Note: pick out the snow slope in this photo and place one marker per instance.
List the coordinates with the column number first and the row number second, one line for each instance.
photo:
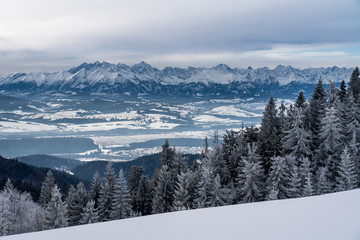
column 333, row 216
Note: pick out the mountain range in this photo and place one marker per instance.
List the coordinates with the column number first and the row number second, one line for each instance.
column 143, row 79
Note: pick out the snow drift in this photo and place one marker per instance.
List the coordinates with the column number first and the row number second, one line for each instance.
column 332, row 216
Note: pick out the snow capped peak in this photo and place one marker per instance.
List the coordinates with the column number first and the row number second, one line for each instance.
column 222, row 67
column 88, row 75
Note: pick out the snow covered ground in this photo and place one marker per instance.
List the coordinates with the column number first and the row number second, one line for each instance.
column 332, row 216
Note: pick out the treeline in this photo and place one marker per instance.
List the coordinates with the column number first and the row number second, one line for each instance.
column 307, row 149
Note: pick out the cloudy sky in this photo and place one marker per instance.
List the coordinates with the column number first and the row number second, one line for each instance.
column 43, row 35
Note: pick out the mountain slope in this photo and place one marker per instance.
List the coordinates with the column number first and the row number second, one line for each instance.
column 331, row 217
column 144, row 79
column 29, row 178
column 57, row 163
column 148, row 162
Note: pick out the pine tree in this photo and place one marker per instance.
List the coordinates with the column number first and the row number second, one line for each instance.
column 218, row 195
column 106, row 193
column 354, row 84
column 342, row 93
column 269, row 144
column 167, row 155
column 307, row 181
column 181, row 194
column 46, row 189
column 317, row 112
column 136, row 175
column 89, row 213
column 218, row 164
column 278, row 178
column 163, row 192
column 18, row 212
column 251, row 177
column 300, row 101
column 55, row 214
column 331, row 137
column 120, row 207
column 295, row 178
column 347, row 175
column 144, row 197
column 76, row 204
column 323, row 186
column 204, row 187
column 95, row 189
column 297, row 139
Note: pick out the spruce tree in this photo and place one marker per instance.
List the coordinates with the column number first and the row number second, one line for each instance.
column 295, row 182
column 95, row 189
column 144, row 197
column 317, row 112
column 218, row 196
column 297, row 139
column 354, row 84
column 46, row 189
column 56, row 211
column 306, row 176
column 136, row 174
column 342, row 93
column 251, row 177
column 347, row 176
column 76, row 204
column 278, row 178
column 269, row 138
column 120, row 207
column 300, row 101
column 181, row 194
column 106, row 193
column 204, row 186
column 89, row 213
column 163, row 192
column 322, row 183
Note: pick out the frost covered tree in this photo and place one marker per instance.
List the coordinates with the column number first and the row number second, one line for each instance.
column 322, row 182
column 216, row 159
column 331, row 140
column 354, row 84
column 297, row 139
column 46, row 189
column 252, row 177
column 89, row 213
column 136, row 174
column 144, row 197
column 163, row 192
column 120, row 207
column 95, row 189
column 56, row 211
column 181, row 194
column 204, row 186
column 294, row 182
column 106, row 193
column 278, row 178
column 269, row 143
column 306, row 176
column 76, row 204
column 18, row 212
column 347, row 175
column 218, row 195
column 317, row 112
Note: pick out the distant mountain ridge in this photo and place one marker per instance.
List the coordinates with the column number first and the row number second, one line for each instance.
column 144, row 79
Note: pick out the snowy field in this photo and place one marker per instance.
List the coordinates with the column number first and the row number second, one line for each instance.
column 331, row 217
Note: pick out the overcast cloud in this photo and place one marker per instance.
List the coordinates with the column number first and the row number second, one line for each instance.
column 43, row 35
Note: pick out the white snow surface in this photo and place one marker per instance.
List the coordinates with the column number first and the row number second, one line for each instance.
column 331, row 217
